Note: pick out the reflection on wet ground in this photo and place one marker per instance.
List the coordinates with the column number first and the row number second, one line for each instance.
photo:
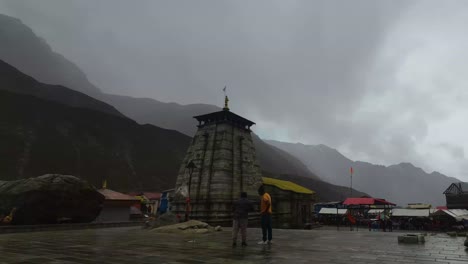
column 134, row 245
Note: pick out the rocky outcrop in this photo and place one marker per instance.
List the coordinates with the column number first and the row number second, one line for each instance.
column 50, row 199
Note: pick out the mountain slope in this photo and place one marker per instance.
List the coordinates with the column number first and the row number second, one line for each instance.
column 15, row 81
column 24, row 50
column 402, row 183
column 276, row 161
column 165, row 115
column 39, row 137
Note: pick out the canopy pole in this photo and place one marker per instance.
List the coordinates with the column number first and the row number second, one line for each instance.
column 336, row 219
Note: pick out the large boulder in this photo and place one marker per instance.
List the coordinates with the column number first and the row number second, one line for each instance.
column 50, row 199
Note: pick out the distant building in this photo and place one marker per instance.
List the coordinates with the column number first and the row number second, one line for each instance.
column 116, row 207
column 154, row 200
column 292, row 204
column 151, row 200
column 419, row 206
column 456, row 195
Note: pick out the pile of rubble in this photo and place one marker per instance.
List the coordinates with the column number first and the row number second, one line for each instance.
column 162, row 220
column 190, row 227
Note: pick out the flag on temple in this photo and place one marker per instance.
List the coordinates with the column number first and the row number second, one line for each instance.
column 351, row 170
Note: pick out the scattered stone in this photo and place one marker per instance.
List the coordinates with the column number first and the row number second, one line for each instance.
column 411, row 239
column 218, row 228
column 198, row 231
column 421, row 238
column 49, row 199
column 165, row 219
column 192, row 226
column 452, row 234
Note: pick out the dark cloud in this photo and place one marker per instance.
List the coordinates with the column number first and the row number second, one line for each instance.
column 361, row 76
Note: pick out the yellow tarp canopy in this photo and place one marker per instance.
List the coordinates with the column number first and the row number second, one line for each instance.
column 286, row 185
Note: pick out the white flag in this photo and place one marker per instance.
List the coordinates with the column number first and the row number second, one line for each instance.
column 183, row 190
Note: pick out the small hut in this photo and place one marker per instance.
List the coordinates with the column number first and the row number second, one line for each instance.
column 116, row 207
column 154, row 199
column 292, row 204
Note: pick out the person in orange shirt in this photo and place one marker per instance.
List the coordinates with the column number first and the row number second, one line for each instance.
column 265, row 213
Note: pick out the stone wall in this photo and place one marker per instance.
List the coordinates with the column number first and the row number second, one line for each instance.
column 226, row 165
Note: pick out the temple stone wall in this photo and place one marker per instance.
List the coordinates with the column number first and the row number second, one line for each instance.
column 224, row 155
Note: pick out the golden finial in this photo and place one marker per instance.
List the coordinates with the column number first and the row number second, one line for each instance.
column 226, row 100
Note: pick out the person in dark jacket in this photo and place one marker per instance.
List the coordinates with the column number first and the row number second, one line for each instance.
column 240, row 210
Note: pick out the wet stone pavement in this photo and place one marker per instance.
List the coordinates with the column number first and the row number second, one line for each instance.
column 134, row 245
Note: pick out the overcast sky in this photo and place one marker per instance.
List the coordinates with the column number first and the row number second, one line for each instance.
column 381, row 81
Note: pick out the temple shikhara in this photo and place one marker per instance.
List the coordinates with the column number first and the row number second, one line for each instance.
column 219, row 164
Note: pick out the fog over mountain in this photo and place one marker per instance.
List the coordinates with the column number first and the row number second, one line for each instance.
column 381, row 81
column 399, row 183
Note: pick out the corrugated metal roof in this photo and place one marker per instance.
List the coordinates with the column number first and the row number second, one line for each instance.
column 113, row 195
column 286, row 185
column 332, row 211
column 411, row 212
column 458, row 214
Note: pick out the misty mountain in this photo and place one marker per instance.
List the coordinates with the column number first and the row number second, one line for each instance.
column 36, row 58
column 40, row 137
column 278, row 162
column 24, row 50
column 165, row 115
column 401, row 183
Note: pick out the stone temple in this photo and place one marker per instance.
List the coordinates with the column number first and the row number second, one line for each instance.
column 219, row 164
